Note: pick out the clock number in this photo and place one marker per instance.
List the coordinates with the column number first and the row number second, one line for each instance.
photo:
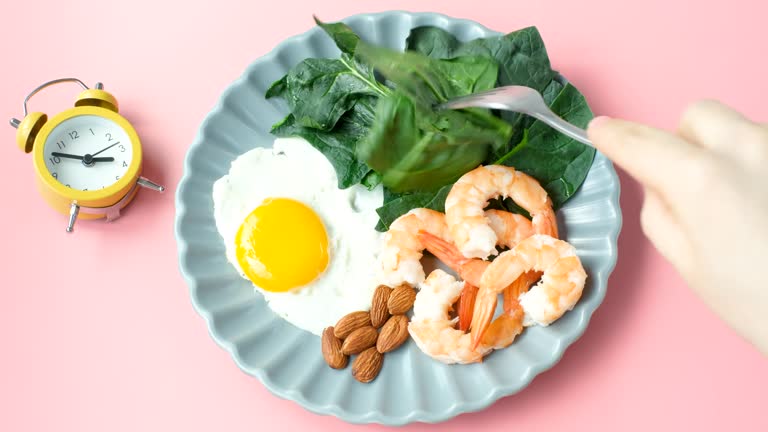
column 85, row 189
column 117, row 177
column 121, row 147
column 54, row 160
column 73, row 135
column 125, row 165
column 67, row 185
column 55, row 175
column 61, row 145
column 92, row 133
column 109, row 136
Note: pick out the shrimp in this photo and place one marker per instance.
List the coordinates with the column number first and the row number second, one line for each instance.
column 561, row 286
column 467, row 222
column 510, row 229
column 400, row 257
column 503, row 330
column 469, row 269
column 433, row 330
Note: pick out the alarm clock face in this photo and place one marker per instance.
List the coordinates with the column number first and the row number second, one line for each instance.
column 88, row 152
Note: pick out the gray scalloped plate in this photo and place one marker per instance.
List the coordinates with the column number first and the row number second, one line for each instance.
column 286, row 359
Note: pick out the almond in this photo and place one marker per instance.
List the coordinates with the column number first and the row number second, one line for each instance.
column 331, row 347
column 359, row 340
column 393, row 334
column 367, row 365
column 351, row 322
column 401, row 300
column 379, row 308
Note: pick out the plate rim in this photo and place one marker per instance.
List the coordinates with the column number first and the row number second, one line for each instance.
column 416, row 415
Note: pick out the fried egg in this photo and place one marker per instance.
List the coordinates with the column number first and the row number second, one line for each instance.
column 309, row 247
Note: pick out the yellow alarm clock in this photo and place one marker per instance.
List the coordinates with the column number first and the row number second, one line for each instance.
column 87, row 159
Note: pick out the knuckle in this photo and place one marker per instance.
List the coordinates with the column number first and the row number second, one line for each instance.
column 694, row 110
column 754, row 143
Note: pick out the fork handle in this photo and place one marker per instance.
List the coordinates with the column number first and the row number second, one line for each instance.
column 563, row 126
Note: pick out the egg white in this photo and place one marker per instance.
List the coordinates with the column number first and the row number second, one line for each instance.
column 292, row 168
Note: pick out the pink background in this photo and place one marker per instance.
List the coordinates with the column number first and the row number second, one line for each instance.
column 97, row 330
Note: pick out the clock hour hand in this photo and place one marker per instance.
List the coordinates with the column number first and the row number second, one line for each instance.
column 66, row 155
column 91, row 158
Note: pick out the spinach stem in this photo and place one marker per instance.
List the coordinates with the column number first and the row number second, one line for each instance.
column 357, row 73
column 517, row 148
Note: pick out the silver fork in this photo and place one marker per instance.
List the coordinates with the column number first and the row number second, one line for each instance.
column 519, row 99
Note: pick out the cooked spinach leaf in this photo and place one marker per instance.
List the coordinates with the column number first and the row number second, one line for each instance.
column 339, row 144
column 396, row 205
column 370, row 112
column 371, row 180
column 432, row 41
column 521, row 55
column 278, row 88
column 556, row 161
column 559, row 163
column 522, row 123
column 417, row 149
column 411, row 144
column 331, row 103
column 320, row 91
column 429, row 80
column 343, row 36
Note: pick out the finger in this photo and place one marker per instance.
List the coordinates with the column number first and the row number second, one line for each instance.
column 716, row 126
column 650, row 155
column 661, row 226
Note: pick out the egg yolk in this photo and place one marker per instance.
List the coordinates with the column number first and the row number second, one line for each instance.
column 282, row 245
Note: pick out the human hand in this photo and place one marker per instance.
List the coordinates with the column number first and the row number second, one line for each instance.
column 706, row 204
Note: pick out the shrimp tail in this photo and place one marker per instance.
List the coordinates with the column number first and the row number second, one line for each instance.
column 504, row 329
column 442, row 250
column 521, row 285
column 485, row 307
column 510, row 297
column 469, row 269
column 467, row 306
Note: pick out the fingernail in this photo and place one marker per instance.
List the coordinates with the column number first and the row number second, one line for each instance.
column 597, row 121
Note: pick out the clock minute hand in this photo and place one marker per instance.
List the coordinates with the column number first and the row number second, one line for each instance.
column 106, row 148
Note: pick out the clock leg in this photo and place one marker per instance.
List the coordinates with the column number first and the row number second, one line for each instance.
column 150, row 184
column 74, row 210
